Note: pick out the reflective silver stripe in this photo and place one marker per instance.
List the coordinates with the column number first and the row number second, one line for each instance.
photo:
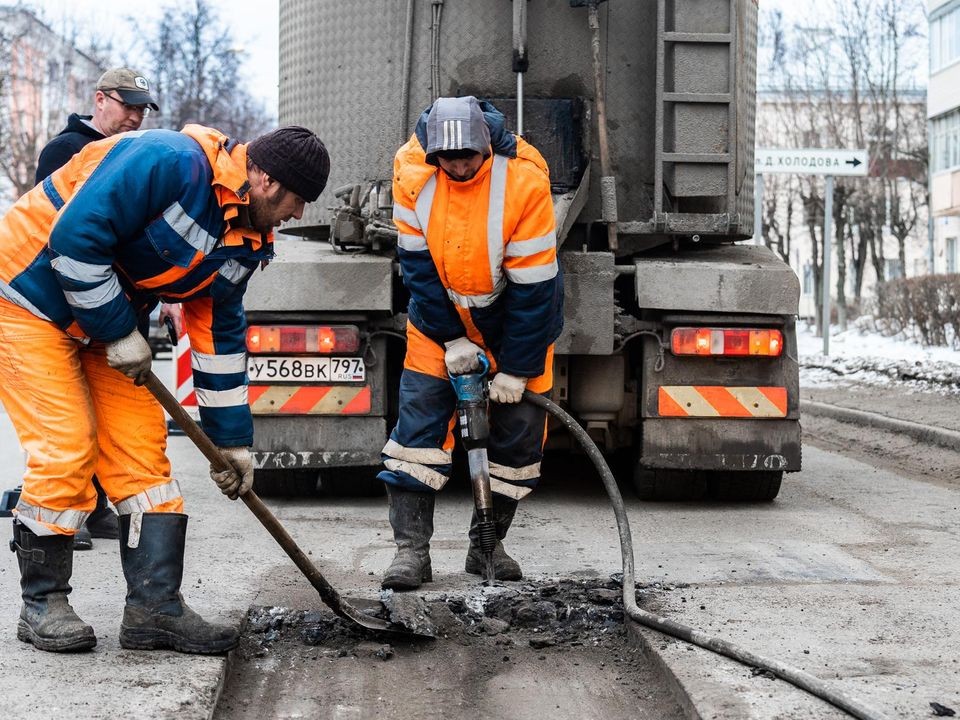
column 402, row 212
column 147, row 500
column 425, row 203
column 189, row 229
column 11, row 295
column 219, row 364
column 425, row 456
column 96, row 297
column 412, row 243
column 516, row 492
column 81, row 271
column 234, row 271
column 422, row 473
column 33, row 516
column 505, row 472
column 527, row 276
column 477, row 301
column 525, row 248
column 221, row 398
column 498, row 200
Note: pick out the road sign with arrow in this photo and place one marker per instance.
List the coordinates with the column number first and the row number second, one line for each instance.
column 812, row 161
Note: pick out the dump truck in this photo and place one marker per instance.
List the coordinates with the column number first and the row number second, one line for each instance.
column 679, row 348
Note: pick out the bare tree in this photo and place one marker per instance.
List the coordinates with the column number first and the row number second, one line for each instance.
column 847, row 84
column 44, row 76
column 196, row 71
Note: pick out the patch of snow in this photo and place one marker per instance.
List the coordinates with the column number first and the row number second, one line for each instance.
column 859, row 343
column 862, row 356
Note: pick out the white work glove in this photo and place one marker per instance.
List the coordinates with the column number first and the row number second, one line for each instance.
column 461, row 356
column 507, row 388
column 131, row 355
column 175, row 314
column 234, row 483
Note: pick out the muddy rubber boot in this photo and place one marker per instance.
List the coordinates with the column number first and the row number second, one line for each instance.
column 46, row 618
column 155, row 616
column 102, row 522
column 411, row 517
column 504, row 566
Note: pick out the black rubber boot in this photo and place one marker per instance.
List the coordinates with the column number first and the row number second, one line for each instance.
column 102, row 522
column 155, row 616
column 46, row 618
column 411, row 516
column 82, row 539
column 504, row 566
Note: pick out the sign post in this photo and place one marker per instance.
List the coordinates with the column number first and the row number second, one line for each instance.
column 811, row 161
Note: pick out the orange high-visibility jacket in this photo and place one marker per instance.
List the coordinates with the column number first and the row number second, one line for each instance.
column 481, row 253
column 138, row 217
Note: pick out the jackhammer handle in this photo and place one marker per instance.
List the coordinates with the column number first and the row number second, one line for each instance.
column 327, row 592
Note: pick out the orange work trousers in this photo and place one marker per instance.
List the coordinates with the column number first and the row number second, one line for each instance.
column 76, row 416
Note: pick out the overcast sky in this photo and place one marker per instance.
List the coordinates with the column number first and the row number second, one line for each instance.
column 253, row 23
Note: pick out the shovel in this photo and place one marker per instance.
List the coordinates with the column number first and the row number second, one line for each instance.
column 327, row 592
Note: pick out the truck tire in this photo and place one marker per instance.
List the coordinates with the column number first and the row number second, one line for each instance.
column 660, row 485
column 285, row 483
column 760, row 486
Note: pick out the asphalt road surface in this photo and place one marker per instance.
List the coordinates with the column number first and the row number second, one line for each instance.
column 851, row 574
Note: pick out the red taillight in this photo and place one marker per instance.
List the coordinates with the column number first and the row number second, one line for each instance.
column 324, row 339
column 726, row 341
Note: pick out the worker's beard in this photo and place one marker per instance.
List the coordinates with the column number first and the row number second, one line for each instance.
column 260, row 215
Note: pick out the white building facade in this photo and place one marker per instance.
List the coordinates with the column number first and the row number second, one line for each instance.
column 943, row 113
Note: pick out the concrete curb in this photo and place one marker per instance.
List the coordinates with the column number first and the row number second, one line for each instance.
column 645, row 639
column 924, row 433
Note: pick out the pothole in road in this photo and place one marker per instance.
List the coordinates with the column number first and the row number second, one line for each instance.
column 523, row 651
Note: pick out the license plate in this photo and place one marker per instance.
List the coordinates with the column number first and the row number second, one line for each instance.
column 305, row 369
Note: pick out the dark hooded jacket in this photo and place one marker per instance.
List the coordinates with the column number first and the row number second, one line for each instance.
column 65, row 145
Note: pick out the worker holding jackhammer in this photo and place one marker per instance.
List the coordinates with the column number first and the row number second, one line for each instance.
column 136, row 218
column 121, row 101
column 477, row 248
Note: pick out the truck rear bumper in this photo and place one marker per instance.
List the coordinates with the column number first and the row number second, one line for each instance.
column 693, row 443
column 302, row 442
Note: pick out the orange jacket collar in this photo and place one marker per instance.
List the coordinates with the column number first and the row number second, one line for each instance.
column 230, row 182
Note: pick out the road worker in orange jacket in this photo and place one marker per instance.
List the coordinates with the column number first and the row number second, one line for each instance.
column 128, row 221
column 477, row 248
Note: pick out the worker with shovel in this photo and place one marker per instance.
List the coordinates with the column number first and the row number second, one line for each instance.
column 477, row 247
column 135, row 218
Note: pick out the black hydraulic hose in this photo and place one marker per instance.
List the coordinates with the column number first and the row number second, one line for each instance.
column 795, row 676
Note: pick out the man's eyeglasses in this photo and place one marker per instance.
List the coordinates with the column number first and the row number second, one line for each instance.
column 141, row 110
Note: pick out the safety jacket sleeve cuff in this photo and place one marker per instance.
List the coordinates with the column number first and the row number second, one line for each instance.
column 529, row 370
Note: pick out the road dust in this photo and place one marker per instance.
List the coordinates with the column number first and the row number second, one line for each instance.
column 519, row 650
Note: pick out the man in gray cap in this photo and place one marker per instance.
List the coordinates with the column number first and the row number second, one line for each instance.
column 120, row 103
column 477, row 251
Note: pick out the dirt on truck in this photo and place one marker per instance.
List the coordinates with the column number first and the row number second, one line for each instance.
column 679, row 345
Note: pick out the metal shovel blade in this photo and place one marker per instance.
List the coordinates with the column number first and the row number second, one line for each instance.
column 328, row 594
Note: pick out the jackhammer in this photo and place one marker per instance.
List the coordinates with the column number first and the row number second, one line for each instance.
column 471, row 390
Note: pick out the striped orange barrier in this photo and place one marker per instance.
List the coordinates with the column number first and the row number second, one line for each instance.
column 309, row 399
column 722, row 401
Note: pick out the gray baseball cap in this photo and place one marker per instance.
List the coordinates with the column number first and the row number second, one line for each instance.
column 457, row 124
column 130, row 85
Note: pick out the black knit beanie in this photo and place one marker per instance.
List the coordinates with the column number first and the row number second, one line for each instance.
column 295, row 157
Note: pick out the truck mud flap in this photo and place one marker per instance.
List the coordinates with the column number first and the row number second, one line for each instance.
column 692, row 443
column 295, row 443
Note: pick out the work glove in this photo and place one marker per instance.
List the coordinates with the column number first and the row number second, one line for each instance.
column 235, row 482
column 507, row 388
column 131, row 355
column 461, row 356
